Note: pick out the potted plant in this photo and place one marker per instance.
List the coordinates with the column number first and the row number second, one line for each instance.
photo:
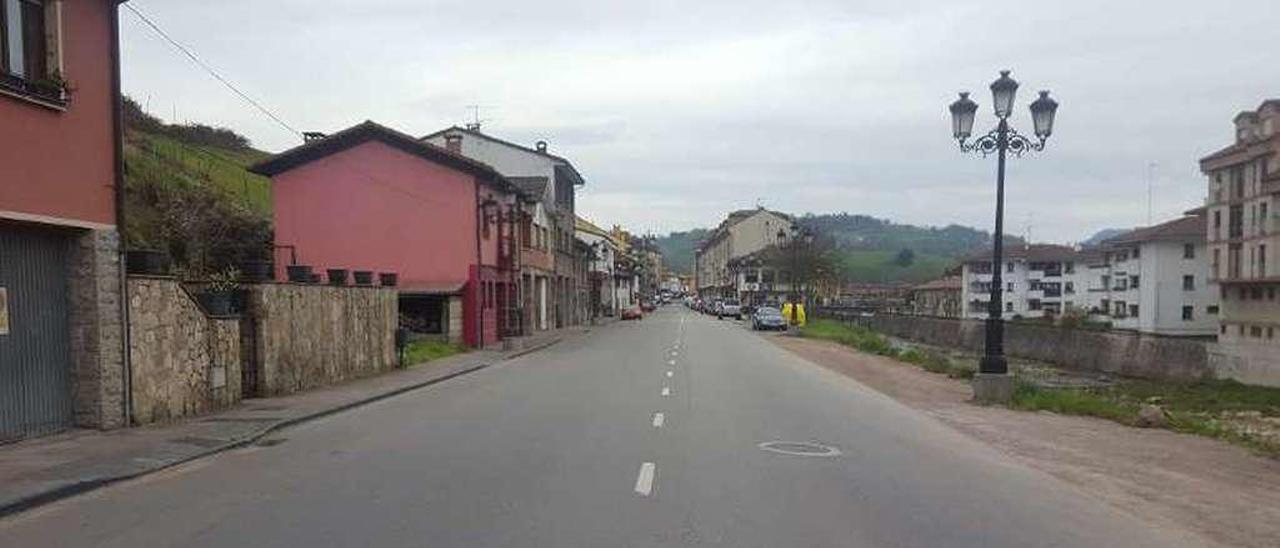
column 220, row 291
column 337, row 276
column 257, row 271
column 363, row 277
column 299, row 273
column 153, row 262
column 388, row 279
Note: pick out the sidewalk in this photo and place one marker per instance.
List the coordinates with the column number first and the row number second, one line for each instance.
column 43, row 470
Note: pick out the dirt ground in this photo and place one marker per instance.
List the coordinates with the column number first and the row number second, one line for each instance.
column 1218, row 491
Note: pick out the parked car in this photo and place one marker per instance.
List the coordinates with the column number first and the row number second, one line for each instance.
column 632, row 313
column 712, row 307
column 768, row 318
column 647, row 306
column 729, row 307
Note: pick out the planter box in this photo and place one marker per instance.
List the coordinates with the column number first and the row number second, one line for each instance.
column 147, row 261
column 257, row 271
column 337, row 276
column 363, row 277
column 299, row 273
column 389, row 279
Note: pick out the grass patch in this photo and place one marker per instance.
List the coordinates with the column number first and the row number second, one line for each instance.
column 871, row 342
column 1221, row 409
column 418, row 352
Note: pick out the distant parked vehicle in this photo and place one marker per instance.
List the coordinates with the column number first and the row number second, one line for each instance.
column 712, row 307
column 768, row 318
column 647, row 306
column 729, row 307
column 632, row 313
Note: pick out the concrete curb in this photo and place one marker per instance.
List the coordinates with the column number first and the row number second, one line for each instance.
column 66, row 491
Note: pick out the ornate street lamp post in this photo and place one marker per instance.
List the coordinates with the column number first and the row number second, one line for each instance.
column 993, row 383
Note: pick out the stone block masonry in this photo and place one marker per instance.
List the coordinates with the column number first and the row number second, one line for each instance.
column 308, row 336
column 1119, row 352
column 96, row 330
column 183, row 363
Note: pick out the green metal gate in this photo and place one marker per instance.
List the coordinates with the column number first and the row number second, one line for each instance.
column 35, row 362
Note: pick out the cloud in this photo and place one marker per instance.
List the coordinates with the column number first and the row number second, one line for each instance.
column 678, row 112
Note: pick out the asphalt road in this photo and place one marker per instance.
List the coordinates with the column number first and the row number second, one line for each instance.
column 565, row 448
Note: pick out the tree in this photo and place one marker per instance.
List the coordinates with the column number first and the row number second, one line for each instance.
column 905, row 258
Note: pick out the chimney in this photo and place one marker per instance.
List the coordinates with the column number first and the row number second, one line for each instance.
column 541, row 146
column 453, row 143
column 308, row 136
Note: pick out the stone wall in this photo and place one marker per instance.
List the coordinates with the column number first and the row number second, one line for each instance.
column 1118, row 352
column 96, row 330
column 183, row 363
column 308, row 336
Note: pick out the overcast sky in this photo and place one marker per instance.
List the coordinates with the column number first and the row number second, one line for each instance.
column 679, row 111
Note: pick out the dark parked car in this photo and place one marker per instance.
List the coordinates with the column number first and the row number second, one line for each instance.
column 768, row 318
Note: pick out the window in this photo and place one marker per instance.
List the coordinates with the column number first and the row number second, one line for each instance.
column 1211, row 309
column 1188, row 251
column 1188, row 283
column 1255, row 331
column 1008, row 307
column 1187, row 313
column 1009, row 267
column 1137, row 252
column 1133, row 310
column 1033, row 304
column 1009, row 287
column 1262, row 213
column 1235, row 221
column 1217, row 258
column 1271, row 332
column 1133, row 281
column 1262, row 261
column 1217, row 219
column 26, row 49
column 1069, row 288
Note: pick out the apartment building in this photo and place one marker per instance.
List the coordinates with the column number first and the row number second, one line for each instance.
column 1157, row 280
column 1039, row 280
column 1244, row 185
column 742, row 233
column 561, row 181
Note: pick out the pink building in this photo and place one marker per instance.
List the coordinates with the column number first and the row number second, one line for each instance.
column 62, row 358
column 372, row 198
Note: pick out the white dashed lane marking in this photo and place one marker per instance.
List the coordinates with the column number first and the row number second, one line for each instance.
column 644, row 481
column 658, row 420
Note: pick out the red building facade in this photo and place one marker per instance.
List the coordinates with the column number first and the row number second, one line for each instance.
column 372, row 198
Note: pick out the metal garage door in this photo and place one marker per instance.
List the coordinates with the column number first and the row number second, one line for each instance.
column 35, row 364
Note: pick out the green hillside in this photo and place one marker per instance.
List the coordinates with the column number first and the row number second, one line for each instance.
column 868, row 247
column 188, row 192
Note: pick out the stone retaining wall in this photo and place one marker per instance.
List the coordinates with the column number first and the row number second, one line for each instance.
column 308, row 336
column 1118, row 352
column 182, row 362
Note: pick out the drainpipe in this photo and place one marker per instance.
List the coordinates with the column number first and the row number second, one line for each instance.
column 117, row 128
column 479, row 289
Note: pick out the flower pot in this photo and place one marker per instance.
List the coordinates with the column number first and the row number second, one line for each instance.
column 257, row 271
column 337, row 276
column 314, row 278
column 147, row 261
column 299, row 273
column 363, row 277
column 217, row 303
column 388, row 279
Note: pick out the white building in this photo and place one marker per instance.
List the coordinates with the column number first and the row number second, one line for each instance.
column 1157, row 280
column 743, row 233
column 1039, row 280
column 604, row 283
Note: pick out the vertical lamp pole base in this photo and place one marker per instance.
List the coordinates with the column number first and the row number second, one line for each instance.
column 991, row 388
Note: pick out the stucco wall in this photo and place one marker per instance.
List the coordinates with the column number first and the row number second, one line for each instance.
column 374, row 207
column 182, row 362
column 64, row 158
column 1121, row 353
column 312, row 336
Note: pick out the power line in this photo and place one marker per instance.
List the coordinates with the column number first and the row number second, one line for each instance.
column 205, row 66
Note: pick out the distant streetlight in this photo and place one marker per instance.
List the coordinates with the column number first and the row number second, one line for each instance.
column 993, row 383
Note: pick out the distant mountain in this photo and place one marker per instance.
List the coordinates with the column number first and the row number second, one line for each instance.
column 872, row 248
column 1104, row 234
column 677, row 249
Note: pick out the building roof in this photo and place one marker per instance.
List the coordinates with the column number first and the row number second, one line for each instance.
column 578, row 179
column 370, row 131
column 1033, row 252
column 940, row 284
column 1189, row 227
column 583, row 225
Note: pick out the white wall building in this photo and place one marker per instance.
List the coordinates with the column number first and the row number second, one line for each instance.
column 1038, row 280
column 744, row 232
column 1157, row 280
